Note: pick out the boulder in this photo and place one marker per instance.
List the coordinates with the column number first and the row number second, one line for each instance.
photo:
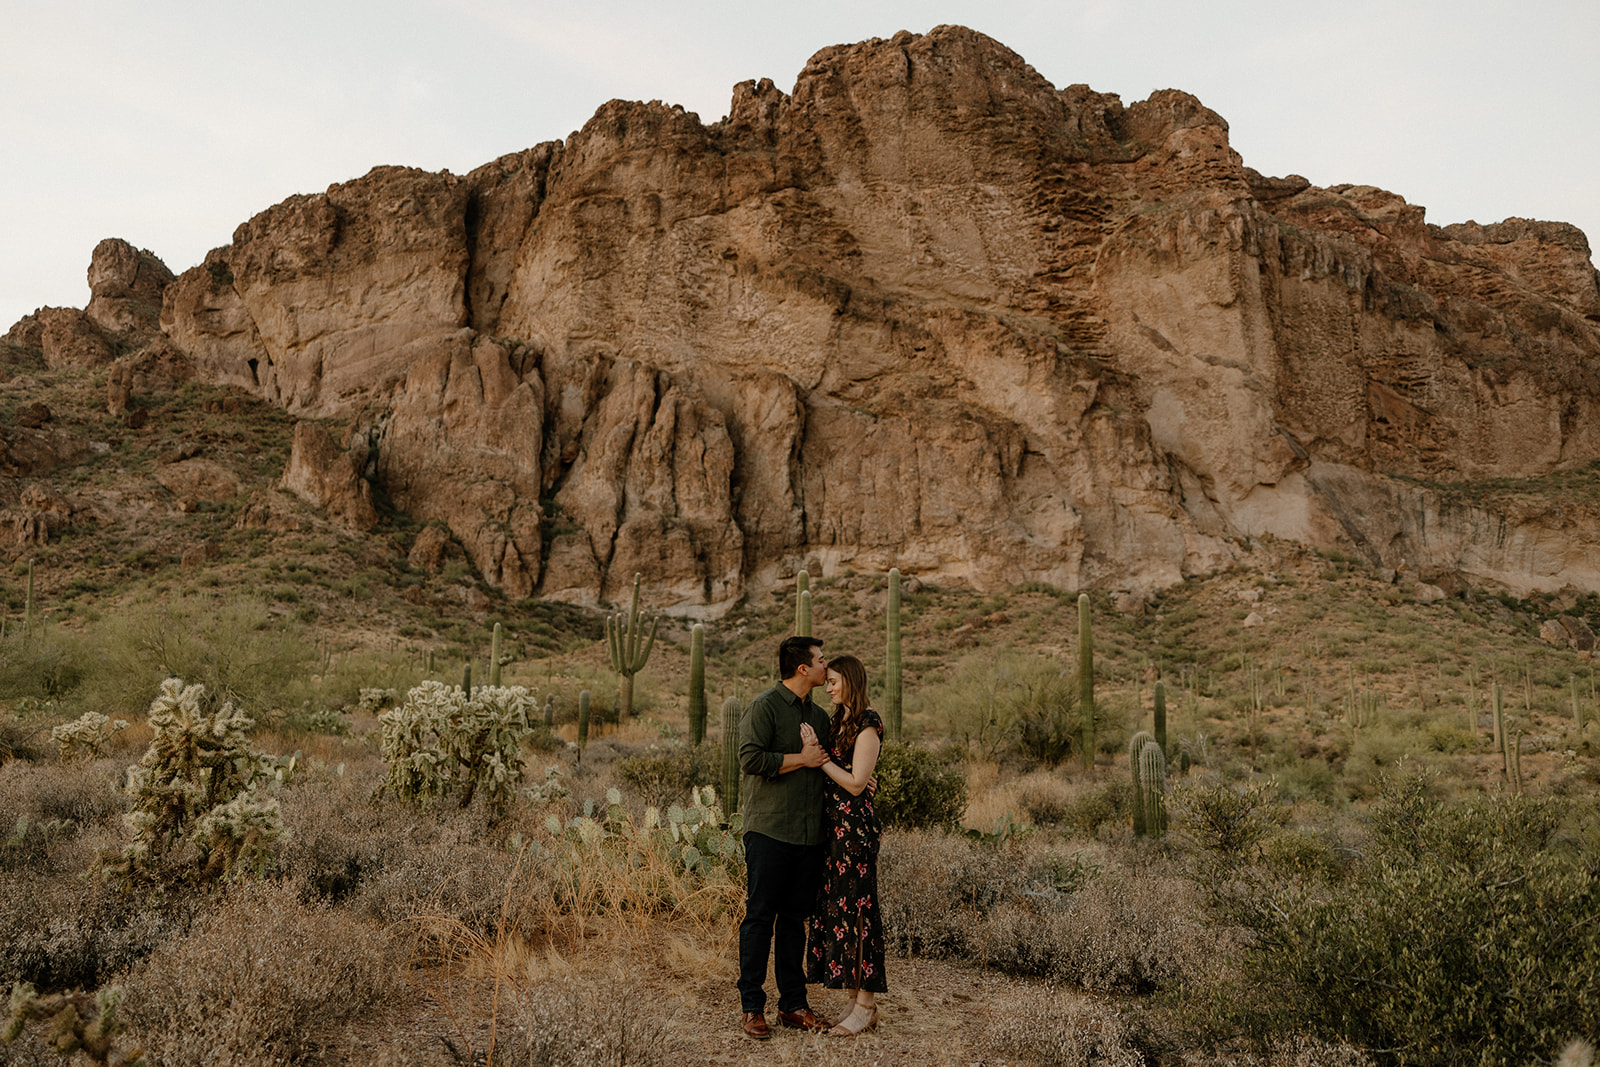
column 125, row 286
column 192, row 480
column 327, row 476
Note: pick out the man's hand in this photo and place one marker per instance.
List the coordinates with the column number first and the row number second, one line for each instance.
column 813, row 754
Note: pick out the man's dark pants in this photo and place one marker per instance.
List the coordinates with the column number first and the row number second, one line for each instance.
column 782, row 892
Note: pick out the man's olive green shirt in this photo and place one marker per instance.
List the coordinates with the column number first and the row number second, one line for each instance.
column 784, row 807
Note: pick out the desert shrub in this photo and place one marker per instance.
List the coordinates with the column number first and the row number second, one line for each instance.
column 237, row 650
column 1007, row 705
column 1116, row 931
column 1045, row 799
column 1108, row 803
column 1224, row 819
column 568, row 1022
column 199, row 787
column 1465, row 934
column 667, row 773
column 919, row 788
column 43, row 662
column 1032, row 909
column 935, row 887
column 256, row 977
column 58, row 934
column 441, row 742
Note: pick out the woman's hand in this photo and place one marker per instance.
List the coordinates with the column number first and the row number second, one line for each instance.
column 808, row 736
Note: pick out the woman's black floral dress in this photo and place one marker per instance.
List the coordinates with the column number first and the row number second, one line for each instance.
column 844, row 947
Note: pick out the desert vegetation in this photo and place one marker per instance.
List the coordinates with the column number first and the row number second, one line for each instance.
column 1368, row 835
column 289, row 799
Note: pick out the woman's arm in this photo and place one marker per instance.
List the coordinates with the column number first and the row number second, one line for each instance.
column 863, row 762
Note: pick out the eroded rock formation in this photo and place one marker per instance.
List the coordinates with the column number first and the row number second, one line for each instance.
column 925, row 311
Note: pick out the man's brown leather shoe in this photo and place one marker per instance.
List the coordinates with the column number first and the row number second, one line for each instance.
column 755, row 1025
column 801, row 1020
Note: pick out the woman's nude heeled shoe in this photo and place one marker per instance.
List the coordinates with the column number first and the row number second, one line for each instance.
column 841, row 1030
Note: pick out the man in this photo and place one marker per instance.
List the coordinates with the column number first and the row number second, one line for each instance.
column 781, row 794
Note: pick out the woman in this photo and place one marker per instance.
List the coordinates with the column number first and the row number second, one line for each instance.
column 845, row 944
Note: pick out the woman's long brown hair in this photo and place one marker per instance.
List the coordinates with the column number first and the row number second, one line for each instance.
column 847, row 716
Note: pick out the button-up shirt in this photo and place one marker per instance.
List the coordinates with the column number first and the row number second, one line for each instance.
column 784, row 807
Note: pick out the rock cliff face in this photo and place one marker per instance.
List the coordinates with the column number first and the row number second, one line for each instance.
column 926, row 311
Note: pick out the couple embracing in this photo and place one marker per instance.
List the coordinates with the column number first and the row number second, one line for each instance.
column 810, row 843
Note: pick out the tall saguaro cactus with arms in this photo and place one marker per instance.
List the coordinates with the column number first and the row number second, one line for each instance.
column 630, row 648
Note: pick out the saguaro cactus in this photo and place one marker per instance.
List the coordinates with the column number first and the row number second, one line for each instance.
column 802, row 604
column 891, row 659
column 494, row 657
column 1153, row 788
column 697, row 684
column 549, row 710
column 466, row 680
column 1161, row 714
column 583, row 721
column 1498, row 719
column 730, row 755
column 630, row 648
column 1136, row 744
column 1086, row 679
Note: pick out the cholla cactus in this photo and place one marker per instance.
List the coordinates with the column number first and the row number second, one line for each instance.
column 372, row 701
column 442, row 742
column 86, row 736
column 77, row 1021
column 197, row 763
column 241, row 835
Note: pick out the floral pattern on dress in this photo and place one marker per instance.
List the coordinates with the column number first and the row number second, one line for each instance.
column 845, row 937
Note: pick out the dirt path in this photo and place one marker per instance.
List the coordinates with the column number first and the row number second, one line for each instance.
column 937, row 1014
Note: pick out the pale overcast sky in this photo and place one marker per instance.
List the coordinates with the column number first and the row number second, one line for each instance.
column 168, row 123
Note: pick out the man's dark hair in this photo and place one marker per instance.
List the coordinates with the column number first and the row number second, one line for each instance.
column 794, row 653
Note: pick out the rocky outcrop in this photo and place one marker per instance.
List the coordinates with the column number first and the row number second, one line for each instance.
column 925, row 311
column 125, row 286
column 327, row 476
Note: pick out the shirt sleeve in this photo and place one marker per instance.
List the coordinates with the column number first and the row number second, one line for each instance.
column 758, row 752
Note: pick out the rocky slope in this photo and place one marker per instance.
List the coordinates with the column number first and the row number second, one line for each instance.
column 925, row 311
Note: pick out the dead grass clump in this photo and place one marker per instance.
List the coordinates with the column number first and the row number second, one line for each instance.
column 1050, row 1026
column 1295, row 1052
column 83, row 794
column 256, row 976
column 567, row 1021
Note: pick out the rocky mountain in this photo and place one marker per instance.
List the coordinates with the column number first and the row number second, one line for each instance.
column 926, row 311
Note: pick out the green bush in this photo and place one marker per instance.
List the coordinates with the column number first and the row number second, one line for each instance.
column 918, row 788
column 237, row 650
column 1465, row 934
